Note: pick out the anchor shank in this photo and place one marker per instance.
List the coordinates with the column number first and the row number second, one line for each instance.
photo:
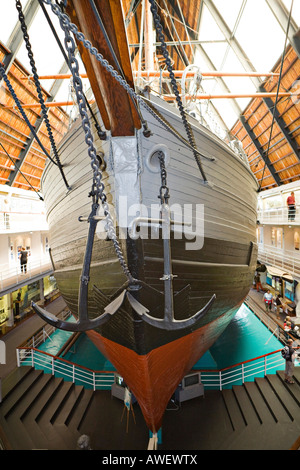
column 85, row 274
column 168, row 277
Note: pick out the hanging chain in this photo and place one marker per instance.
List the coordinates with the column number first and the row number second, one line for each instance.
column 163, row 174
column 97, row 187
column 161, row 39
column 38, row 87
column 110, row 69
column 22, row 112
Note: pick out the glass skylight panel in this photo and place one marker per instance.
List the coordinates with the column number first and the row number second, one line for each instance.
column 226, row 111
column 260, row 35
column 215, row 53
column 229, row 10
column 8, row 18
column 209, row 30
column 47, row 55
column 295, row 10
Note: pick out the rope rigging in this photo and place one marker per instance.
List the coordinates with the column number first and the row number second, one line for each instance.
column 98, row 188
column 98, row 194
column 17, row 101
column 165, row 53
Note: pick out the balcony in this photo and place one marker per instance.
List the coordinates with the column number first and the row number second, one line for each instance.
column 11, row 277
column 17, row 222
column 288, row 261
column 278, row 216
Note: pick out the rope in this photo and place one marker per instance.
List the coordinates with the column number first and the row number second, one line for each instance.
column 16, row 99
column 101, row 134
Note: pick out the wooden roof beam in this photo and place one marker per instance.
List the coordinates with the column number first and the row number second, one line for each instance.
column 3, row 179
column 287, row 168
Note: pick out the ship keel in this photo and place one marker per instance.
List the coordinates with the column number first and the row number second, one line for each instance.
column 153, row 377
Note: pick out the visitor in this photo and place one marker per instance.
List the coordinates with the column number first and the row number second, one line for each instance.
column 23, row 260
column 17, row 304
column 289, row 363
column 278, row 306
column 291, row 203
column 258, row 282
column 268, row 299
column 288, row 320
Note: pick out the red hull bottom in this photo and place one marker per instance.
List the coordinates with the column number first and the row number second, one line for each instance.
column 154, row 377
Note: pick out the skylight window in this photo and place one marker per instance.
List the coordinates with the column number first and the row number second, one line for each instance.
column 260, row 35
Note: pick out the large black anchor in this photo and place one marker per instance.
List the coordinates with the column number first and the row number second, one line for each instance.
column 84, row 322
column 168, row 322
column 110, row 307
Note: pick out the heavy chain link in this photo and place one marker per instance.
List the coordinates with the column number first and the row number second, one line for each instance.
column 38, row 86
column 164, row 194
column 188, row 129
column 98, row 186
column 99, row 57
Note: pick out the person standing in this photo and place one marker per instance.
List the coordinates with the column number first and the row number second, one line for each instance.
column 278, row 306
column 291, row 203
column 268, row 299
column 17, row 304
column 258, row 282
column 289, row 362
column 23, row 260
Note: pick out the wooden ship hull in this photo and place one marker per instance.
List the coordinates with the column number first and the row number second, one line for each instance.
column 153, row 361
column 219, row 261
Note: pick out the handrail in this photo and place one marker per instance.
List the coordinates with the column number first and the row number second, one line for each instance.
column 78, row 374
column 68, row 362
column 280, row 260
column 277, row 214
column 12, row 275
column 64, row 314
column 238, row 372
column 247, row 361
column 217, row 378
column 282, row 333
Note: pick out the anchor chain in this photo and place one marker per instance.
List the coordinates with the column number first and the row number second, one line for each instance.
column 168, row 322
column 165, row 53
column 163, row 174
column 97, row 186
column 110, row 69
column 38, row 87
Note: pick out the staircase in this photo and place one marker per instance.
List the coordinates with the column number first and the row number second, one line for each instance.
column 264, row 414
column 37, row 411
column 40, row 411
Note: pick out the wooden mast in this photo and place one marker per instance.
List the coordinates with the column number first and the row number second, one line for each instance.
column 116, row 108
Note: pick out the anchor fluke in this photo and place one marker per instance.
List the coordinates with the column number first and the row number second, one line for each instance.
column 83, row 324
column 167, row 323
